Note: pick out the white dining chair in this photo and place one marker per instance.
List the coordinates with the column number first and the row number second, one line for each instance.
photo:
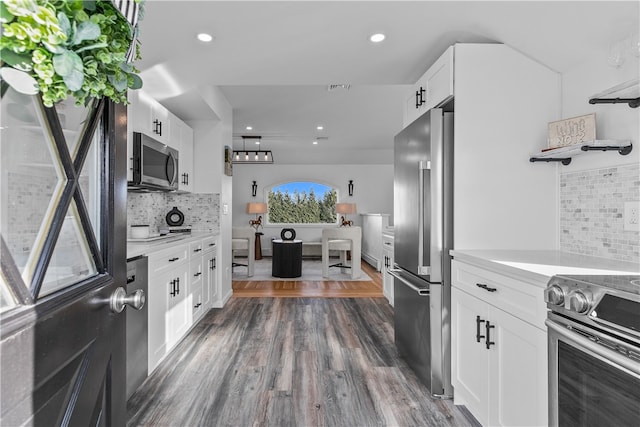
column 342, row 239
column 243, row 238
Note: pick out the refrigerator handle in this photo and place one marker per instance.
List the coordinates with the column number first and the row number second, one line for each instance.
column 395, row 272
column 424, row 166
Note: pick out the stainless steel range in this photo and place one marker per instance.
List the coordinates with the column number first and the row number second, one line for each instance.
column 594, row 350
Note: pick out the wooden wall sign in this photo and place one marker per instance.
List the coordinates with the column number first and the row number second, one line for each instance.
column 576, row 130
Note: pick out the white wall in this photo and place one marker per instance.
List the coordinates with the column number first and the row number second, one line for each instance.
column 503, row 102
column 373, row 191
column 596, row 185
column 613, row 121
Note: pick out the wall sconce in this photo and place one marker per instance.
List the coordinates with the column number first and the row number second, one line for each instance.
column 350, row 186
column 254, row 189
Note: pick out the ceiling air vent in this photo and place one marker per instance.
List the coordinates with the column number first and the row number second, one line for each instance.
column 338, row 87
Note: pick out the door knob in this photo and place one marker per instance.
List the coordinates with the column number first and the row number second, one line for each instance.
column 120, row 299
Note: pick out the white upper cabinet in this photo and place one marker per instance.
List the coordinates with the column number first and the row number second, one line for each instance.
column 431, row 90
column 186, row 182
column 148, row 116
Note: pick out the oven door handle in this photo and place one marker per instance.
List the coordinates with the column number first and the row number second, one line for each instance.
column 595, row 348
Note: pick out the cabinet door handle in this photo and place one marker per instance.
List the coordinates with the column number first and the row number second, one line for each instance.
column 197, row 274
column 488, row 328
column 212, row 244
column 173, row 288
column 478, row 321
column 178, row 283
column 197, row 250
column 486, row 287
column 419, row 97
column 214, row 264
column 174, row 259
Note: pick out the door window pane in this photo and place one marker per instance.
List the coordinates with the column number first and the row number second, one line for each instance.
column 89, row 182
column 73, row 120
column 72, row 260
column 31, row 179
column 6, row 298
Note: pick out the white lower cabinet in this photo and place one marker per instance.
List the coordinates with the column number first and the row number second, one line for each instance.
column 499, row 361
column 196, row 275
column 387, row 257
column 167, row 308
column 182, row 288
column 210, row 292
column 177, row 318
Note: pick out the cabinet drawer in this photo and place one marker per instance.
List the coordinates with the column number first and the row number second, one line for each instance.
column 195, row 249
column 168, row 258
column 196, row 271
column 520, row 299
column 209, row 243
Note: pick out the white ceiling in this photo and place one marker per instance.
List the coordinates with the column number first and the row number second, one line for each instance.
column 273, row 60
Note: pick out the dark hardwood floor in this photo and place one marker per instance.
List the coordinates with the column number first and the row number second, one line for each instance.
column 290, row 362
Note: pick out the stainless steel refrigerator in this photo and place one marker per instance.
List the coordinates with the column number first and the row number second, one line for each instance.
column 423, row 236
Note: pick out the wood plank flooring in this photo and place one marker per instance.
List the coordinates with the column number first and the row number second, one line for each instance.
column 316, row 289
column 290, row 362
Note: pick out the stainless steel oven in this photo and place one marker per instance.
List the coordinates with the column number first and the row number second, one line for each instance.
column 594, row 350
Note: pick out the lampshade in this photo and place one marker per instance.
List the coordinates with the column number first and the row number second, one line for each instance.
column 256, row 208
column 346, row 208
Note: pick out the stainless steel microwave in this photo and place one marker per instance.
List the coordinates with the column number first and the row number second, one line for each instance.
column 155, row 165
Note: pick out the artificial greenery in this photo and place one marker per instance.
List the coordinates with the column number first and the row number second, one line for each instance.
column 70, row 47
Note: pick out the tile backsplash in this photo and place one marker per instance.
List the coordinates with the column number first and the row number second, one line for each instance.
column 201, row 211
column 592, row 209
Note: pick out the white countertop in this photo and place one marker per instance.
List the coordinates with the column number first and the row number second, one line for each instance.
column 539, row 266
column 135, row 249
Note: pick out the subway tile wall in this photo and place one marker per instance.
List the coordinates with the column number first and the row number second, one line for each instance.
column 591, row 212
column 200, row 210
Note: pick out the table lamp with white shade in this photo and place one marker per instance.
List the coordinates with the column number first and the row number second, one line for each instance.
column 345, row 209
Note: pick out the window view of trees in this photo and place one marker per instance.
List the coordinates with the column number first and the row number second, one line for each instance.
column 302, row 203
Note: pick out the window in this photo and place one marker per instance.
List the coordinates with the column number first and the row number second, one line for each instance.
column 302, row 202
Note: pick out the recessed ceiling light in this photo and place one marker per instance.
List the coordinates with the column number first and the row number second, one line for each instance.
column 204, row 37
column 377, row 38
column 320, row 127
column 315, row 142
column 249, row 128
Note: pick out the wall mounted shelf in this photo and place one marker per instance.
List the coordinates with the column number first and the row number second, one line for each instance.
column 565, row 154
column 625, row 93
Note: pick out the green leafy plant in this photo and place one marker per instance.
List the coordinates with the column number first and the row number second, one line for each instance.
column 69, row 47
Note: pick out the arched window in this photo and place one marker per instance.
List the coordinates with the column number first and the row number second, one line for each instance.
column 301, row 202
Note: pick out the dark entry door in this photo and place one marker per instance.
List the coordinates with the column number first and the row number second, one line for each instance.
column 62, row 256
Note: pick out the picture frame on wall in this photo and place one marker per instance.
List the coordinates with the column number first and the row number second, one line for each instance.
column 228, row 165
